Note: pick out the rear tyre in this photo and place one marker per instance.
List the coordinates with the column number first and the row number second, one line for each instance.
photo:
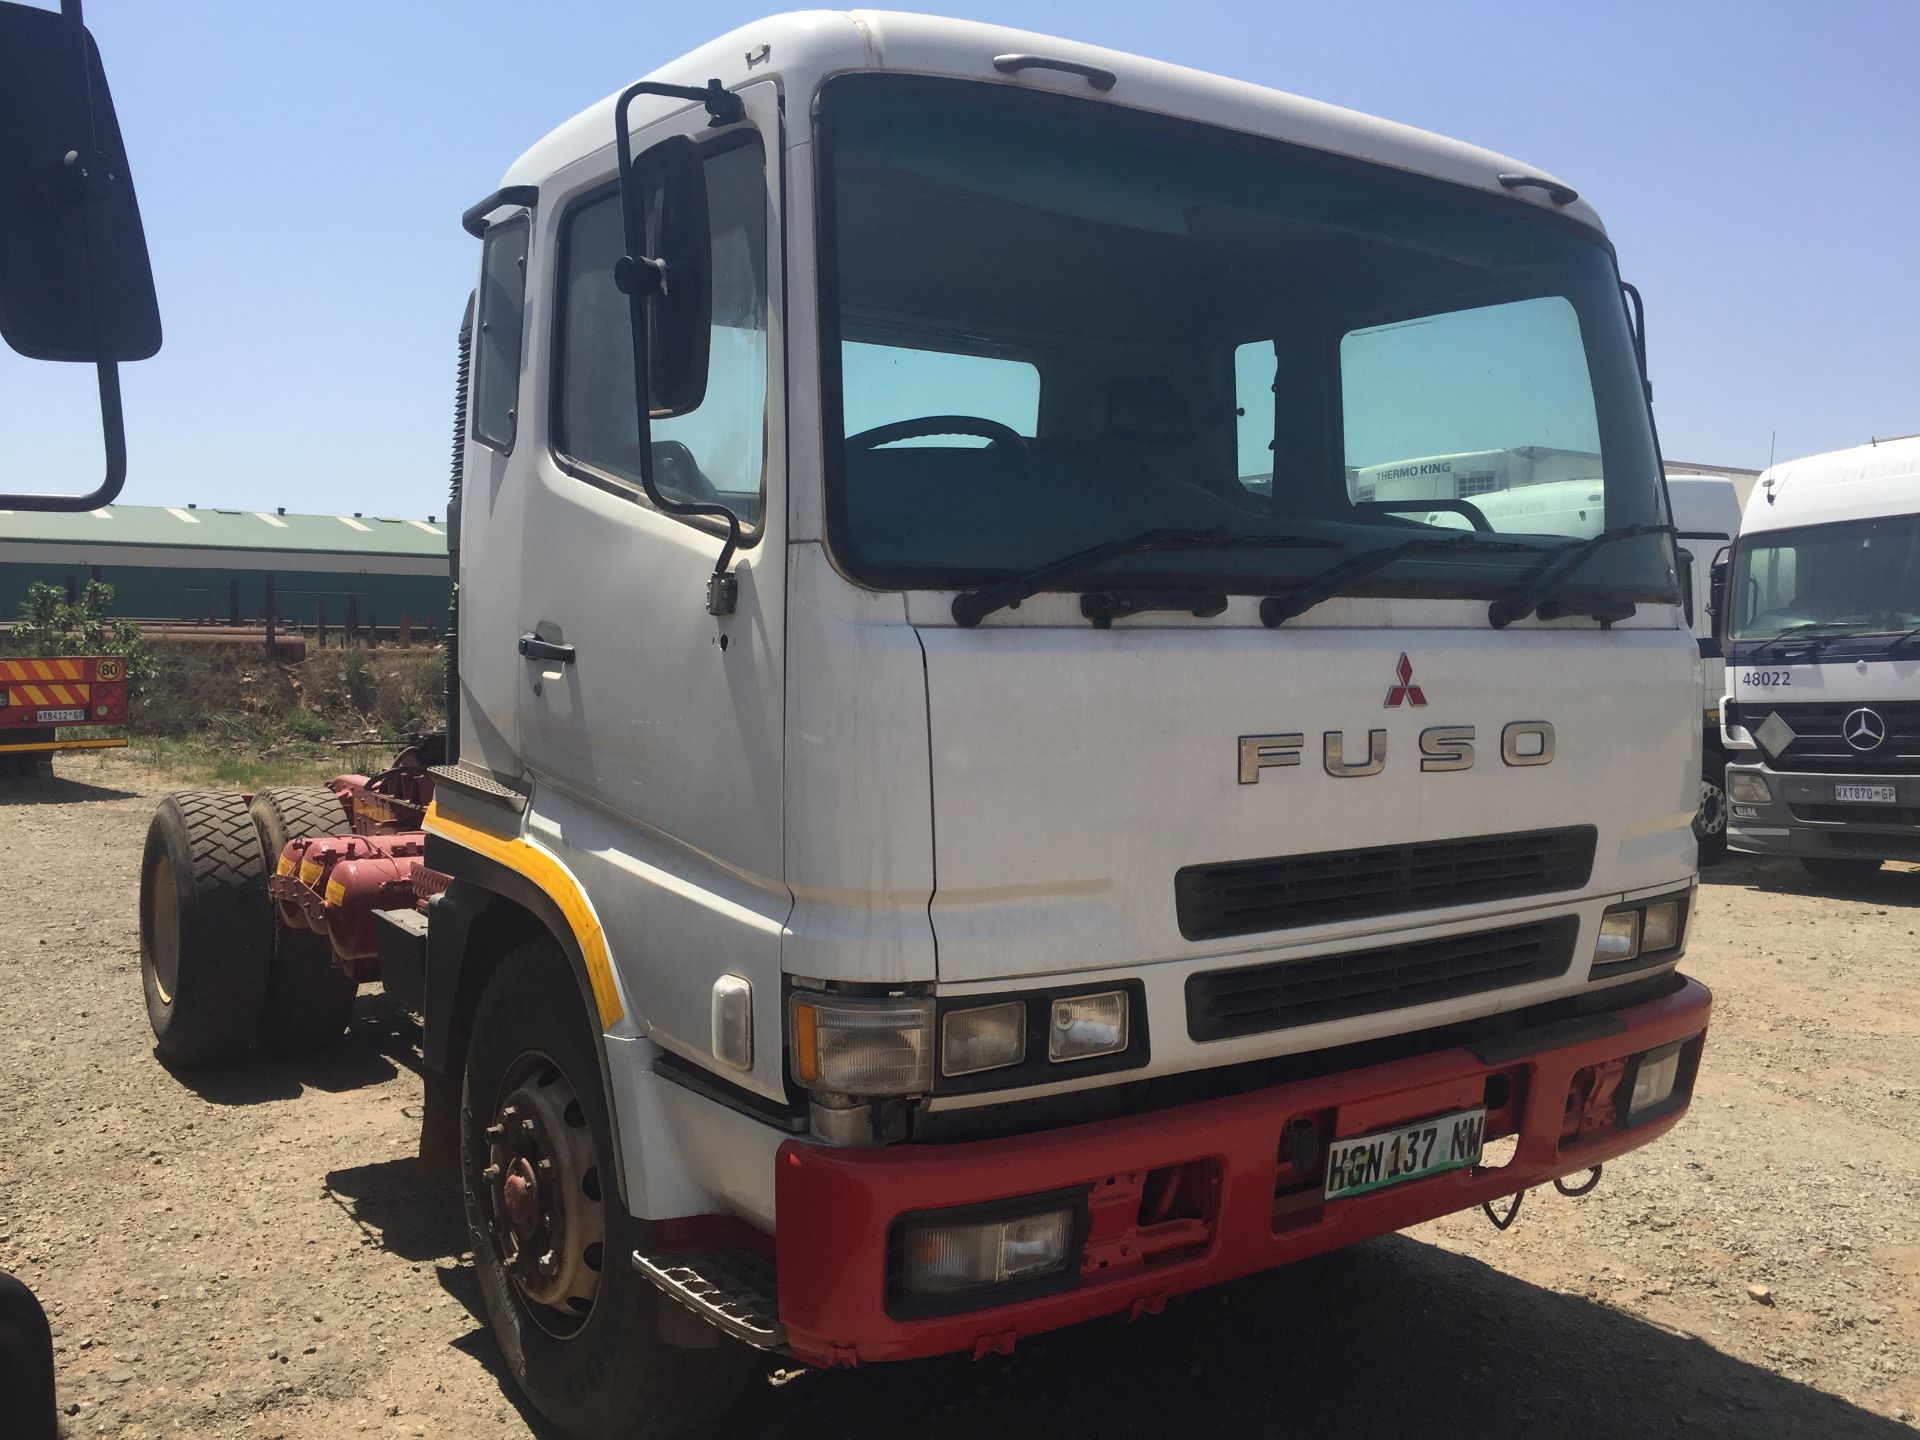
column 1710, row 821
column 205, row 934
column 1832, row 871
column 551, row 1242
column 309, row 999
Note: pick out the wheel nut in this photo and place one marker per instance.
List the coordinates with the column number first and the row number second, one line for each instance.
column 548, row 1265
column 494, row 1132
column 545, row 1167
column 528, row 1127
column 491, row 1174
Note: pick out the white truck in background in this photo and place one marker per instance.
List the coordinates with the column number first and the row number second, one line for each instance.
column 1706, row 510
column 958, row 820
column 1822, row 629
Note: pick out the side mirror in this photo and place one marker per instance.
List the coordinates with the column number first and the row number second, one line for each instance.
column 671, row 189
column 1717, row 594
column 1685, row 557
column 75, row 283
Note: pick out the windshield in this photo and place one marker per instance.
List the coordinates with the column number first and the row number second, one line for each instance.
column 1049, row 323
column 1853, row 578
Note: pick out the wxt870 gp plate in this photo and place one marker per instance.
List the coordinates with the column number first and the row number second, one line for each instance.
column 1426, row 1147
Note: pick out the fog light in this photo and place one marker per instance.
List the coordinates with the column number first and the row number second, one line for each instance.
column 1748, row 788
column 854, row 1046
column 1660, row 930
column 945, row 1257
column 986, row 1038
column 1088, row 1025
column 1619, row 937
column 1654, row 1077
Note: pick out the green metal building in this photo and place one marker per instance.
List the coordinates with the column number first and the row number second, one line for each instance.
column 233, row 566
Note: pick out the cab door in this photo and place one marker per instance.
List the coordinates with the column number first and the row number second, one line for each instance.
column 651, row 728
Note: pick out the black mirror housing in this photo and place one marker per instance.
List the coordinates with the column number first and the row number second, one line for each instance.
column 1717, row 595
column 671, row 191
column 75, row 282
column 1685, row 557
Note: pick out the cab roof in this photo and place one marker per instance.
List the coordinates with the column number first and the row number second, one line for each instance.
column 1878, row 478
column 802, row 48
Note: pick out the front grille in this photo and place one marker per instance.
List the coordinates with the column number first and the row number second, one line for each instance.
column 1817, row 745
column 1240, row 897
column 1224, row 1003
column 1856, row 814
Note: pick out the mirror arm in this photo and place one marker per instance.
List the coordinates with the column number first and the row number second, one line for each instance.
column 474, row 219
column 641, row 278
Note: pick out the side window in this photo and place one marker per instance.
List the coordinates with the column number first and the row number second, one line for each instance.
column 884, row 383
column 497, row 330
column 1254, row 369
column 717, row 450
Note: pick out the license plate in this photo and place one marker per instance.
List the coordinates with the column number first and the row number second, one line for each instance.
column 1388, row 1157
column 58, row 717
column 1865, row 794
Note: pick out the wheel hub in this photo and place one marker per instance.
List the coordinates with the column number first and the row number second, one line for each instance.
column 547, row 1222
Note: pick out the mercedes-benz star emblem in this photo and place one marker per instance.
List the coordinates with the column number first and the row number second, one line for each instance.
column 1864, row 730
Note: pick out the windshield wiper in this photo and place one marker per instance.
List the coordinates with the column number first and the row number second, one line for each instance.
column 1276, row 610
column 970, row 607
column 1804, row 632
column 1555, row 568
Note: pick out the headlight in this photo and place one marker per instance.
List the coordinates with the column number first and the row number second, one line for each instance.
column 1619, row 937
column 1088, row 1025
column 855, row 1046
column 986, row 1038
column 1660, row 929
column 1648, row 931
column 1748, row 788
column 943, row 1257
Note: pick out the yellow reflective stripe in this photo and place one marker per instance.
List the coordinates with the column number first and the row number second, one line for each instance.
column 73, row 670
column 51, row 745
column 336, row 893
column 525, row 858
column 35, row 695
column 310, row 872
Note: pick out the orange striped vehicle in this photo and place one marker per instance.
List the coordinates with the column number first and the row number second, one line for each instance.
column 41, row 700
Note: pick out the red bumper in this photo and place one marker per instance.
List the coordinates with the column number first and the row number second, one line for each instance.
column 1238, row 1208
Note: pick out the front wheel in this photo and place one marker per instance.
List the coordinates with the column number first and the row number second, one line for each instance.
column 551, row 1242
column 1830, row 870
column 1710, row 820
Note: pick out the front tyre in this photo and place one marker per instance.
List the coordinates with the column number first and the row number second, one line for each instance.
column 1710, row 821
column 551, row 1242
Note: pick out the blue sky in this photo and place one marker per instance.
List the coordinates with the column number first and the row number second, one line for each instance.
column 302, row 170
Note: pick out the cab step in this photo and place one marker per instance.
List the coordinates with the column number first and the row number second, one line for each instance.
column 734, row 1289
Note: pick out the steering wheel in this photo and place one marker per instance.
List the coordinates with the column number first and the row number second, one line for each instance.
column 675, row 470
column 937, row 425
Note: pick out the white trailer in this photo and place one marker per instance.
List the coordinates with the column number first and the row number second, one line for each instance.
column 930, row 852
column 1822, row 624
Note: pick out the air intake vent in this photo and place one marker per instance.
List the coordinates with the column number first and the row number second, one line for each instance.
column 1243, row 897
column 1222, row 1004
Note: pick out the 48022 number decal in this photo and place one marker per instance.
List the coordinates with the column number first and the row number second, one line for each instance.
column 1765, row 679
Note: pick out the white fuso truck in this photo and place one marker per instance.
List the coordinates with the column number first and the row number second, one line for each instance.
column 1822, row 627
column 964, row 812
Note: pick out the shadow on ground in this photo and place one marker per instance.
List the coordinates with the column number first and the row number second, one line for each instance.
column 382, row 1038
column 1392, row 1337
column 1896, row 883
column 51, row 790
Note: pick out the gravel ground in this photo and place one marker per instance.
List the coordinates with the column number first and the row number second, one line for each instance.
column 248, row 1253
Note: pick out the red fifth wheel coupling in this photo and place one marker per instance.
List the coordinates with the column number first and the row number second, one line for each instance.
column 333, row 885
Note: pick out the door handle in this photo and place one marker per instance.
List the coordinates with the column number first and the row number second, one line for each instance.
column 534, row 648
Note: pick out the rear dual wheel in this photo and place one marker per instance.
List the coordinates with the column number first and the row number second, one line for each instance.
column 551, row 1241
column 309, row 998
column 219, row 969
column 206, row 935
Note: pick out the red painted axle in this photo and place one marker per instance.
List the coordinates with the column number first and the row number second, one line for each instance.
column 332, row 886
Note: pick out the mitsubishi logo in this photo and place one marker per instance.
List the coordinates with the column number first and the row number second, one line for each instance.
column 1864, row 730
column 1409, row 692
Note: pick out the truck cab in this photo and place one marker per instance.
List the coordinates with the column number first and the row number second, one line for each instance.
column 1023, row 830
column 1822, row 716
